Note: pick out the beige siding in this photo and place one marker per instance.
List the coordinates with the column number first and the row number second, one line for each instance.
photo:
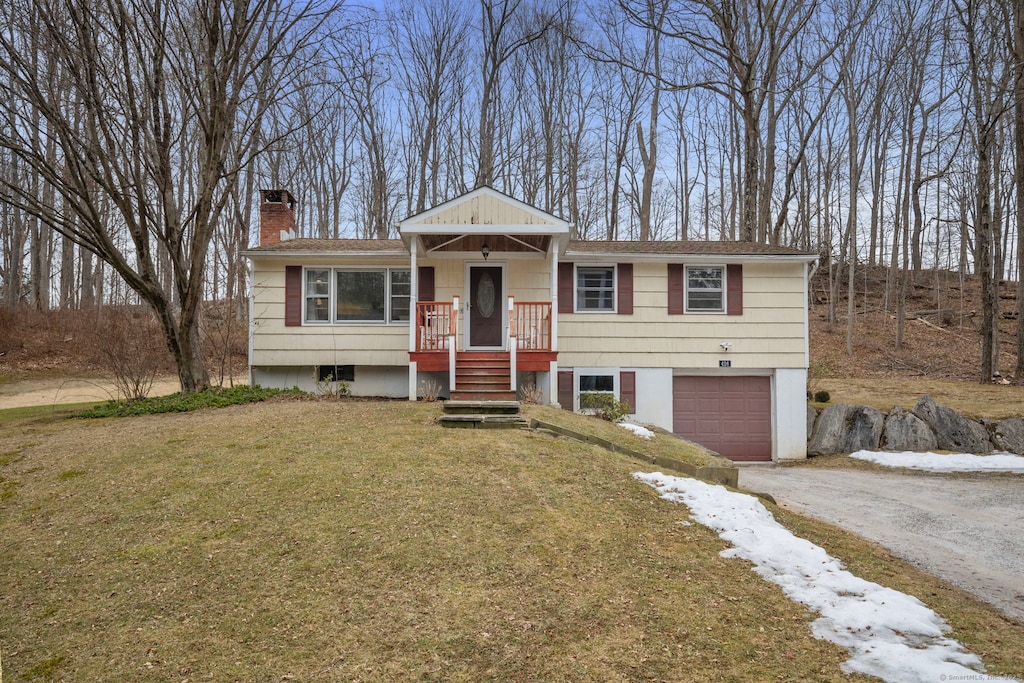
column 484, row 209
column 276, row 344
column 770, row 333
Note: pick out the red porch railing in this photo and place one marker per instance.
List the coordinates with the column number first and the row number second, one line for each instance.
column 436, row 321
column 531, row 321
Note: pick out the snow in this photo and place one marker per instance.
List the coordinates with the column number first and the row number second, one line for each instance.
column 642, row 432
column 890, row 635
column 948, row 462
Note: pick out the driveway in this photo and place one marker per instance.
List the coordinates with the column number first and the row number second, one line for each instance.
column 965, row 529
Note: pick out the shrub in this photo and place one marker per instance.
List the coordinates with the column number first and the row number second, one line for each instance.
column 430, row 390
column 531, row 394
column 177, row 403
column 604, row 406
column 334, row 390
column 822, row 396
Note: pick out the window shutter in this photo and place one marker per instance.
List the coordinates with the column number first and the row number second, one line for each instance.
column 565, row 288
column 425, row 286
column 292, row 296
column 625, row 287
column 565, row 389
column 734, row 287
column 627, row 389
column 676, row 288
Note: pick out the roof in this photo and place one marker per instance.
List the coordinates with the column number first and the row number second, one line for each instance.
column 681, row 248
column 324, row 246
column 305, row 245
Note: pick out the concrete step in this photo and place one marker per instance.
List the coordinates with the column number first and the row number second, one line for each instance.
column 481, row 407
column 484, row 421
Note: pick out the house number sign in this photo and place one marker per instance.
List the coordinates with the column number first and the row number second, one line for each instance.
column 725, row 363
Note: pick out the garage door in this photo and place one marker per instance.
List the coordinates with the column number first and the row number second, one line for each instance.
column 729, row 415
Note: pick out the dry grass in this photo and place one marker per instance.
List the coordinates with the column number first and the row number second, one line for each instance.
column 359, row 541
column 663, row 444
column 977, row 400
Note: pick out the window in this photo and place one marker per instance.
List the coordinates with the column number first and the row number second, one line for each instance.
column 595, row 288
column 596, row 392
column 318, row 294
column 401, row 289
column 705, row 289
column 357, row 295
column 336, row 373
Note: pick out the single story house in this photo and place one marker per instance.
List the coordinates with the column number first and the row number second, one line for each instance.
column 485, row 295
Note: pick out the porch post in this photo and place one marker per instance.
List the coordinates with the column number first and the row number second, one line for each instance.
column 553, row 367
column 413, row 331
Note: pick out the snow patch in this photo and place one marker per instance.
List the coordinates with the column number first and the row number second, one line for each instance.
column 889, row 634
column 948, row 462
column 642, row 432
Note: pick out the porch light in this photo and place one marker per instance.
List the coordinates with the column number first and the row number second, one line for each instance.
column 485, row 250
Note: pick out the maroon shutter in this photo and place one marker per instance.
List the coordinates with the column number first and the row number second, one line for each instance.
column 425, row 286
column 734, row 286
column 627, row 389
column 676, row 290
column 292, row 296
column 565, row 288
column 625, row 287
column 565, row 389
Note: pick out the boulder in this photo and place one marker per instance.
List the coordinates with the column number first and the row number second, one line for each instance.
column 953, row 431
column 1008, row 434
column 829, row 430
column 863, row 429
column 844, row 428
column 905, row 431
column 812, row 415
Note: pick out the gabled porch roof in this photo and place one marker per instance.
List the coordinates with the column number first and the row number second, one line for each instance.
column 484, row 216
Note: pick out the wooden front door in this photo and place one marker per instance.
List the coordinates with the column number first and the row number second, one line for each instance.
column 485, row 306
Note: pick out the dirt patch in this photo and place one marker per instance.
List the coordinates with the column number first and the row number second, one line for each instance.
column 54, row 391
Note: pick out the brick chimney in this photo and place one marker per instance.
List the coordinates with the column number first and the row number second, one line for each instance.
column 277, row 216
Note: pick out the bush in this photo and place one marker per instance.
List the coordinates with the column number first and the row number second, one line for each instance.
column 333, row 389
column 822, row 396
column 177, row 403
column 604, row 406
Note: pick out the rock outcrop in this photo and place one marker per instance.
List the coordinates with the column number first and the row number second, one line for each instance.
column 905, row 431
column 953, row 431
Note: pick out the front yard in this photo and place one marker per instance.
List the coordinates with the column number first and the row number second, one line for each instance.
column 321, row 541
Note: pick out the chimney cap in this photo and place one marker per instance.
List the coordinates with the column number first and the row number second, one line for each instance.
column 278, row 197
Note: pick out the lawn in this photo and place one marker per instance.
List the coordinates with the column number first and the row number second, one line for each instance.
column 322, row 541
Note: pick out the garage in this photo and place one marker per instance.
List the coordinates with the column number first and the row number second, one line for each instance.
column 729, row 415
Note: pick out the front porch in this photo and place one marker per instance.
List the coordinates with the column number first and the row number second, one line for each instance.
column 484, row 294
column 440, row 345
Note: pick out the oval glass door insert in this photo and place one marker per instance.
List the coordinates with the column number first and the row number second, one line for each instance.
column 485, row 295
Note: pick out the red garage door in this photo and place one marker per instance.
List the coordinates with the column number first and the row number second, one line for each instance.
column 729, row 415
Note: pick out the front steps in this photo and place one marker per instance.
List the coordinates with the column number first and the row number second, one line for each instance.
column 483, row 376
column 483, row 415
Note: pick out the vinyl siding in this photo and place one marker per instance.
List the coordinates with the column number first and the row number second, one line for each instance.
column 769, row 333
column 275, row 344
column 483, row 209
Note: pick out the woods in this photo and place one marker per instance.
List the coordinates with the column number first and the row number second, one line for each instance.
column 136, row 135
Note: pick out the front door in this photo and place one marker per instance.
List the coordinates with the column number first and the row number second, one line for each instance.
column 485, row 306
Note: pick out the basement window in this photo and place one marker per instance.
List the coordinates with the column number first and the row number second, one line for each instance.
column 335, row 373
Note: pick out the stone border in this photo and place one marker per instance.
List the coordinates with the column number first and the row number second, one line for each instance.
column 725, row 474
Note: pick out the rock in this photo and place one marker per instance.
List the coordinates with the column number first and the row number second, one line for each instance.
column 863, row 429
column 843, row 428
column 812, row 415
column 953, row 431
column 1008, row 434
column 829, row 430
column 905, row 431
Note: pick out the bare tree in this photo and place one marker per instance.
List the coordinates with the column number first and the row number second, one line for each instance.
column 165, row 94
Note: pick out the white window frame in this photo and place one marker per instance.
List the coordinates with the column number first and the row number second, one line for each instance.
column 578, row 375
column 576, row 287
column 724, row 290
column 333, row 296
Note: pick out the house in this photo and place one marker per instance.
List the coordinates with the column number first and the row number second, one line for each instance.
column 484, row 295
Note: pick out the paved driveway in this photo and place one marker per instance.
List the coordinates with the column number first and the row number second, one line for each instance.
column 966, row 529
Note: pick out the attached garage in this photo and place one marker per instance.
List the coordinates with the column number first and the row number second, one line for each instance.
column 729, row 415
